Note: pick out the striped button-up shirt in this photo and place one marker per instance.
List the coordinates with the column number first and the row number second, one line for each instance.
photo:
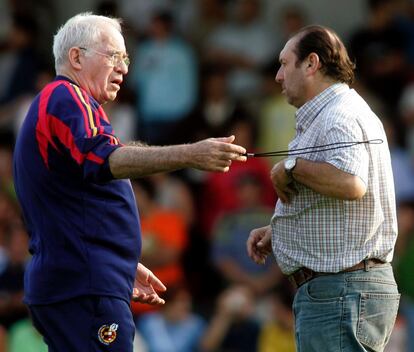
column 327, row 234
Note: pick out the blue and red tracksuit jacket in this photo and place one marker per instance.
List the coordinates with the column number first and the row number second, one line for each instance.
column 83, row 224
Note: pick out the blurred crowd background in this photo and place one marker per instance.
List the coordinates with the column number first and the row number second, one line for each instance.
column 204, row 68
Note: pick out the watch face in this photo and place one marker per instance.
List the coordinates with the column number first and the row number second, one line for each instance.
column 290, row 163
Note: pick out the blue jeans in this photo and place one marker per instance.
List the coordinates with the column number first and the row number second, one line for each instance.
column 344, row 312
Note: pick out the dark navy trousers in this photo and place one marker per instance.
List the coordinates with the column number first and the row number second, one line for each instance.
column 86, row 324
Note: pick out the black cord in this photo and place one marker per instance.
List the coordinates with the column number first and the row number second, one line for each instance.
column 315, row 149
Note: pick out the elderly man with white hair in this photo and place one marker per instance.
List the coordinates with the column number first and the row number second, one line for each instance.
column 71, row 177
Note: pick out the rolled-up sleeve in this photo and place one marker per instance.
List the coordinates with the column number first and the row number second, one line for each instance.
column 351, row 159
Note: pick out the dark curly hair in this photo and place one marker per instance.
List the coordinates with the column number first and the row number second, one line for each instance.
column 333, row 56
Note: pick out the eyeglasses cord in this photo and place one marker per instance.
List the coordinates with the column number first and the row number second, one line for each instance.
column 315, row 149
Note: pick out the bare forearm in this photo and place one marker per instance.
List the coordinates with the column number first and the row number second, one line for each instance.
column 326, row 179
column 212, row 154
column 138, row 161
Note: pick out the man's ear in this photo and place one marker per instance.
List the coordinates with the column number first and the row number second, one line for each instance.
column 74, row 58
column 313, row 63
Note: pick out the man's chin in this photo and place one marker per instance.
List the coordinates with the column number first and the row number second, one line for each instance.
column 108, row 99
column 112, row 96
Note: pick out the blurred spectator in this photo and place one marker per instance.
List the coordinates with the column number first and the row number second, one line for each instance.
column 18, row 68
column 12, row 308
column 164, row 77
column 277, row 124
column 107, row 8
column 175, row 327
column 6, row 172
column 3, row 340
column 402, row 166
column 219, row 193
column 404, row 264
column 230, row 236
column 244, row 45
column 5, row 21
column 23, row 337
column 139, row 343
column 406, row 109
column 232, row 326
column 45, row 14
column 3, row 234
column 172, row 193
column 405, row 22
column 292, row 18
column 278, row 334
column 379, row 52
column 8, row 216
column 140, row 12
column 121, row 112
column 374, row 102
column 216, row 108
column 12, row 114
column 18, row 62
column 164, row 239
column 209, row 14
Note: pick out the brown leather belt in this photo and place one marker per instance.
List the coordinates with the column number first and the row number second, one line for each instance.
column 303, row 275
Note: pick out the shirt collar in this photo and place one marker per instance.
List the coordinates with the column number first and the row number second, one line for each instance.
column 64, row 78
column 308, row 112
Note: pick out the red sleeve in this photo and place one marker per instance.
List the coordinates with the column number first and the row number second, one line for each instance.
column 71, row 121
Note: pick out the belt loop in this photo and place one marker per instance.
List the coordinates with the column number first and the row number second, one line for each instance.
column 292, row 281
column 366, row 266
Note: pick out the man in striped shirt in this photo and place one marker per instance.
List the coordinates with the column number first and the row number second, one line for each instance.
column 334, row 227
column 71, row 177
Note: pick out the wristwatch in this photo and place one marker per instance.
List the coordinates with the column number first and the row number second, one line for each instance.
column 290, row 164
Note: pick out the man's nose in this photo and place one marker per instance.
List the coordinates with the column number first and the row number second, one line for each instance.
column 121, row 67
column 278, row 77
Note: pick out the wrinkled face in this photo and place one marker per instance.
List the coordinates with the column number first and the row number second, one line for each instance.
column 101, row 75
column 291, row 76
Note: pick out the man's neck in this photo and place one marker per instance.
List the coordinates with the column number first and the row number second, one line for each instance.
column 68, row 74
column 319, row 87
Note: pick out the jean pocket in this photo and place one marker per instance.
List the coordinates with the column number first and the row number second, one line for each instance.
column 324, row 290
column 377, row 315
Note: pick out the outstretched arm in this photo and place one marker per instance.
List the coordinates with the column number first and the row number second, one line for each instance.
column 212, row 154
column 146, row 286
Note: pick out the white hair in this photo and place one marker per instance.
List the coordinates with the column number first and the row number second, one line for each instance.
column 82, row 30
